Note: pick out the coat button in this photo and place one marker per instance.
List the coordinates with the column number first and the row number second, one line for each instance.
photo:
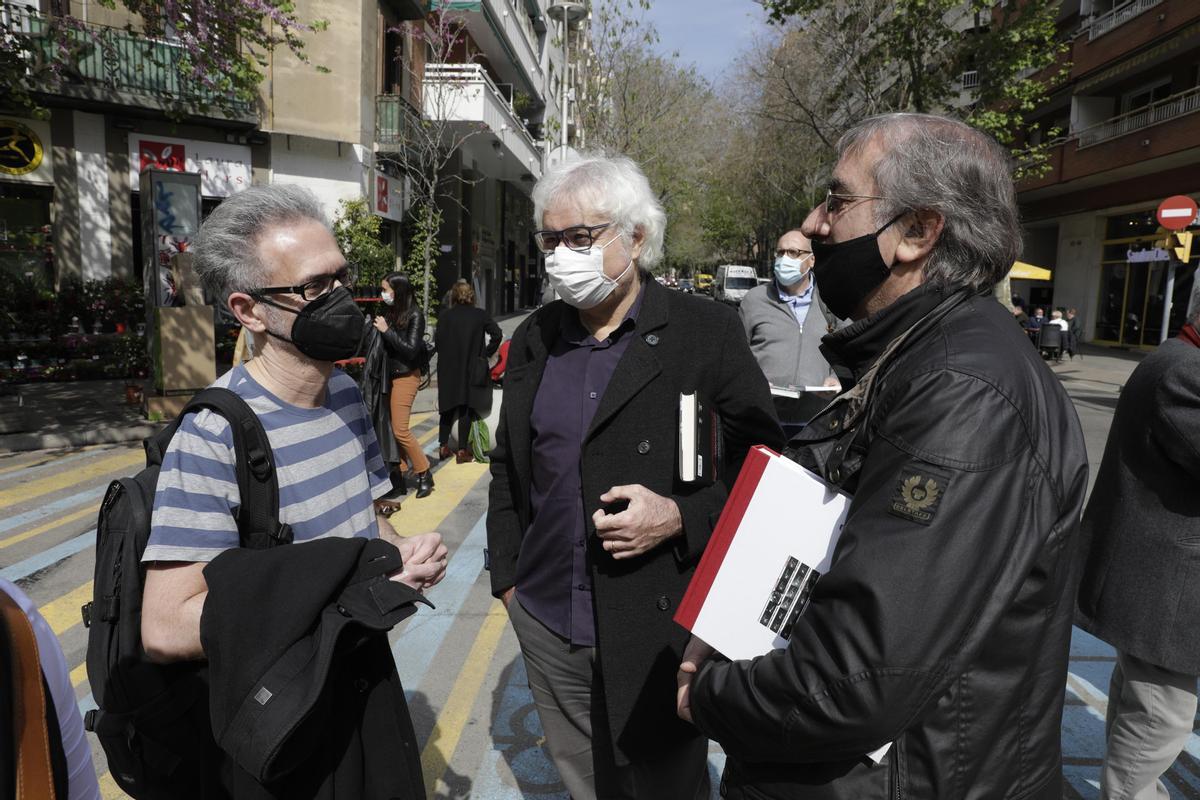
column 643, row 447
column 652, row 339
column 835, row 475
column 361, row 685
column 833, row 426
column 663, row 603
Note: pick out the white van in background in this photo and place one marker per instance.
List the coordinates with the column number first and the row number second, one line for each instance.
column 732, row 282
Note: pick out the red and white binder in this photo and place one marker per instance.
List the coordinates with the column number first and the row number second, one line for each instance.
column 774, row 540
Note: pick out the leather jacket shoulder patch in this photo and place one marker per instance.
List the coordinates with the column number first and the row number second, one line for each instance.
column 918, row 493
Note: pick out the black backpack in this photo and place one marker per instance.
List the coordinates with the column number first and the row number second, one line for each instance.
column 153, row 719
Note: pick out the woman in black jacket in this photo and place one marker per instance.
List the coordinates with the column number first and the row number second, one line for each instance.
column 464, row 391
column 402, row 330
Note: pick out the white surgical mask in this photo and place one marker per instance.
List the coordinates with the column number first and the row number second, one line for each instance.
column 579, row 278
column 387, row 297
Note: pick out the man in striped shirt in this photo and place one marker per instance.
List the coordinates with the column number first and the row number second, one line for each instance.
column 268, row 254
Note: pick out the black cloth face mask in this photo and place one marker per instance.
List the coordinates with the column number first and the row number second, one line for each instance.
column 329, row 328
column 846, row 272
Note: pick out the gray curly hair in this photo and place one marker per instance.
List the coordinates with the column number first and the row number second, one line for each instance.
column 610, row 185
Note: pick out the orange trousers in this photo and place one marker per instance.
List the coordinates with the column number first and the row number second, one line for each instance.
column 404, row 391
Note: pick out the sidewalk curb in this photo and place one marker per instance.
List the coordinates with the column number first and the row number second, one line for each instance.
column 20, row 442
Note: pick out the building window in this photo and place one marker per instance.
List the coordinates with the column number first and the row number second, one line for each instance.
column 1146, row 95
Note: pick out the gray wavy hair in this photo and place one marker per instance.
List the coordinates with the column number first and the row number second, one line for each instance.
column 610, row 185
column 227, row 244
column 932, row 163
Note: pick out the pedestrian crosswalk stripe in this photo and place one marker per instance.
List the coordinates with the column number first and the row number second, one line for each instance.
column 63, row 550
column 53, row 461
column 417, row 646
column 47, row 511
column 90, row 511
column 109, row 789
column 119, row 464
column 447, row 730
column 62, row 613
column 453, row 481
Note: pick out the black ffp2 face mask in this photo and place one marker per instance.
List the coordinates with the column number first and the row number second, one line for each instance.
column 846, row 272
column 329, row 328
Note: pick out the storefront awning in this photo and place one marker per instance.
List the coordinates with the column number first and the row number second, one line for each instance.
column 1023, row 271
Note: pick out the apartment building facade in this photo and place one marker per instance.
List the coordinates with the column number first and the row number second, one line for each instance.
column 1131, row 138
column 70, row 200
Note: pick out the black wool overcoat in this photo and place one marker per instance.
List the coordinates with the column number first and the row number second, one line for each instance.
column 462, row 353
column 680, row 344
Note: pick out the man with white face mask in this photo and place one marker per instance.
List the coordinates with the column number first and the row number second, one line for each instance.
column 592, row 536
column 784, row 322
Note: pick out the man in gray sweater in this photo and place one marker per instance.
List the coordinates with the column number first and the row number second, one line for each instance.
column 784, row 321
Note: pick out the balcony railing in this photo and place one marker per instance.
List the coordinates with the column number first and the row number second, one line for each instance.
column 1166, row 109
column 393, row 115
column 114, row 59
column 1118, row 16
column 970, row 79
column 465, row 92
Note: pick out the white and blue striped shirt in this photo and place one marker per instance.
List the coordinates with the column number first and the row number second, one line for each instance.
column 328, row 467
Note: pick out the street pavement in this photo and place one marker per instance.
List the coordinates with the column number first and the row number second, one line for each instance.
column 466, row 682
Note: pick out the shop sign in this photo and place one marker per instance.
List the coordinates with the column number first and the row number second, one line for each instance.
column 1146, row 256
column 224, row 169
column 387, row 197
column 25, row 151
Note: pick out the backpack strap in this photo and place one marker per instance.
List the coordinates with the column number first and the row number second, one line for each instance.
column 258, row 516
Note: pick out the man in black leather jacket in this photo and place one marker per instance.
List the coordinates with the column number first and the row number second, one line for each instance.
column 943, row 625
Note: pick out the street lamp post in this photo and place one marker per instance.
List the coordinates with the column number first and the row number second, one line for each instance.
column 569, row 12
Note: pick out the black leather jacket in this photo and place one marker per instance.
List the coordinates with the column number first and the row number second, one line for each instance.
column 406, row 348
column 944, row 623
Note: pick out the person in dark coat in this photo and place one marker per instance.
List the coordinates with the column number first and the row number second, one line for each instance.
column 592, row 537
column 1140, row 589
column 1074, row 332
column 464, row 390
column 942, row 628
column 401, row 329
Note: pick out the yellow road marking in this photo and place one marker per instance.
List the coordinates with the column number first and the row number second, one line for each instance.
column 72, row 476
column 54, row 523
column 62, row 613
column 79, row 674
column 109, row 789
column 451, row 485
column 447, row 730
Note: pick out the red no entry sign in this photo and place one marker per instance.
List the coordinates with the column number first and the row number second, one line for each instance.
column 1177, row 212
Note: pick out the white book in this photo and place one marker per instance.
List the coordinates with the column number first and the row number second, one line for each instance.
column 797, row 391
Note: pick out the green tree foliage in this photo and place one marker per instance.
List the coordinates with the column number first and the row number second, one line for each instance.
column 426, row 222
column 842, row 61
column 356, row 230
column 637, row 102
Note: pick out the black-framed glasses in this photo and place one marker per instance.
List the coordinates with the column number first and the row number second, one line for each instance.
column 834, row 201
column 578, row 237
column 792, row 252
column 317, row 286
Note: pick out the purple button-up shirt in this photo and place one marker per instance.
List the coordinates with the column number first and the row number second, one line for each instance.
column 554, row 582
